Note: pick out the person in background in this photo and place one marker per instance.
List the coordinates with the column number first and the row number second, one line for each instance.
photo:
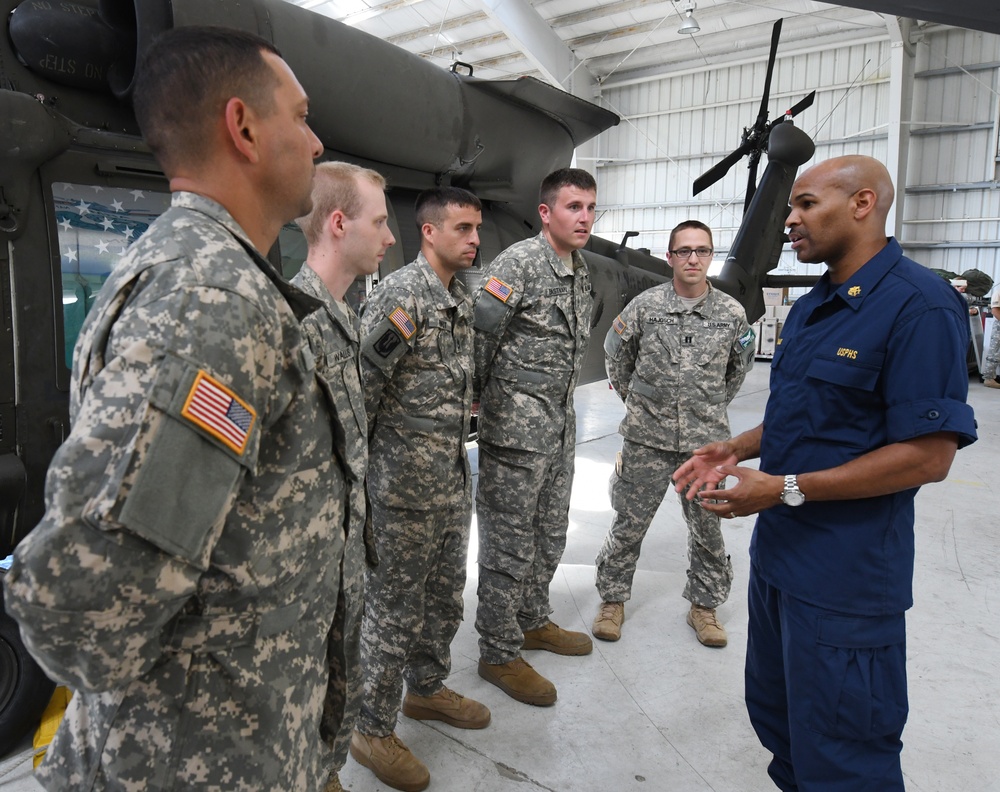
column 416, row 368
column 348, row 235
column 992, row 357
column 180, row 581
column 677, row 355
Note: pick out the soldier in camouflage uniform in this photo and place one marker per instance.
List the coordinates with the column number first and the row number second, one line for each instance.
column 417, row 367
column 992, row 357
column 676, row 355
column 532, row 327
column 180, row 580
column 348, row 235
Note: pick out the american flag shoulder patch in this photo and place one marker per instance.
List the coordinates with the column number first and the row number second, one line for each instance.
column 401, row 319
column 220, row 412
column 618, row 325
column 498, row 289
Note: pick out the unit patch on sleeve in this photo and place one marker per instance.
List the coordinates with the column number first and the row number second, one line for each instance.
column 220, row 412
column 402, row 320
column 498, row 289
column 387, row 343
column 618, row 325
column 747, row 338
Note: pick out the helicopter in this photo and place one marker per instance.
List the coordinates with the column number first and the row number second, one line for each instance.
column 78, row 185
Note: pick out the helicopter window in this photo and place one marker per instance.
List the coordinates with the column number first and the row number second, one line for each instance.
column 96, row 225
column 292, row 243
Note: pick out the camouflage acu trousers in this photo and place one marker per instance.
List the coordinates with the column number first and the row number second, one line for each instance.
column 991, row 359
column 523, row 512
column 413, row 607
column 636, row 494
column 343, row 692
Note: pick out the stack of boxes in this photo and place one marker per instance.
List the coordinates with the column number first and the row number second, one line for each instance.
column 768, row 327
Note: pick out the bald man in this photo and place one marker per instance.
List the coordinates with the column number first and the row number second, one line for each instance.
column 867, row 403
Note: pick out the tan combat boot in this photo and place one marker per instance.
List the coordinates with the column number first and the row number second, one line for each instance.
column 333, row 784
column 391, row 761
column 707, row 627
column 553, row 638
column 448, row 706
column 519, row 681
column 608, row 622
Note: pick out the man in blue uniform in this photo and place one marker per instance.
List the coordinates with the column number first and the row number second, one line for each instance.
column 868, row 390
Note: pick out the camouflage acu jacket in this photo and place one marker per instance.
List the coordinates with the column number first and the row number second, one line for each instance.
column 532, row 331
column 677, row 370
column 416, row 368
column 180, row 580
column 333, row 337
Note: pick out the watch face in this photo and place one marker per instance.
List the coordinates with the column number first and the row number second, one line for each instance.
column 793, row 498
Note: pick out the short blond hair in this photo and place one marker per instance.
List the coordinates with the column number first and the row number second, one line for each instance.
column 335, row 186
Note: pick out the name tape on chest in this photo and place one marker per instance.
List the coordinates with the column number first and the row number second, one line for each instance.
column 401, row 319
column 211, row 406
column 498, row 289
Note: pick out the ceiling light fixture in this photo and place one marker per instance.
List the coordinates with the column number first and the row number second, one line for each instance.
column 690, row 24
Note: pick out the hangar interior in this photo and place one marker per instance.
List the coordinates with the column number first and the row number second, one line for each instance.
column 657, row 711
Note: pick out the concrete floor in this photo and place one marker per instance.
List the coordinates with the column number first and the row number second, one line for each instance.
column 656, row 711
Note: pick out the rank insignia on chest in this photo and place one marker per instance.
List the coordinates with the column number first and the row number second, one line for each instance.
column 401, row 319
column 618, row 325
column 498, row 289
column 220, row 412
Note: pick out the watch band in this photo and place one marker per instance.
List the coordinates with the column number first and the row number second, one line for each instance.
column 791, row 495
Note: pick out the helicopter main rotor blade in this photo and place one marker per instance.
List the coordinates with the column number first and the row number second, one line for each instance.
column 755, row 137
column 719, row 169
column 802, row 105
column 775, row 35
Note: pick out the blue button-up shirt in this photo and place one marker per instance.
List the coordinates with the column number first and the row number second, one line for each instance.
column 877, row 360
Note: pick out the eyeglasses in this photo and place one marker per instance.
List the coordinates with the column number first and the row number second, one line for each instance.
column 685, row 253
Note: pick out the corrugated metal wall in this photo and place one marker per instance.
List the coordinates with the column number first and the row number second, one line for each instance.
column 952, row 205
column 675, row 128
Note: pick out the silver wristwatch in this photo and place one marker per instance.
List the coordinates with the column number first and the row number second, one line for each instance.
column 792, row 495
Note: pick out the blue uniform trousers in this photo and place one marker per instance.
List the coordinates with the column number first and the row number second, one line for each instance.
column 826, row 693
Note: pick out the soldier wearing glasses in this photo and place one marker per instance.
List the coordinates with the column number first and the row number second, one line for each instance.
column 676, row 356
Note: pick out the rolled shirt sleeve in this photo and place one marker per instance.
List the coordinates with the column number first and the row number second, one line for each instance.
column 926, row 382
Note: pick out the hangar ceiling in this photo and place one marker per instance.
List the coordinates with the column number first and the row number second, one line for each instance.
column 582, row 44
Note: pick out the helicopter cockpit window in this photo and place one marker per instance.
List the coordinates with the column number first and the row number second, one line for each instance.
column 292, row 243
column 96, row 225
